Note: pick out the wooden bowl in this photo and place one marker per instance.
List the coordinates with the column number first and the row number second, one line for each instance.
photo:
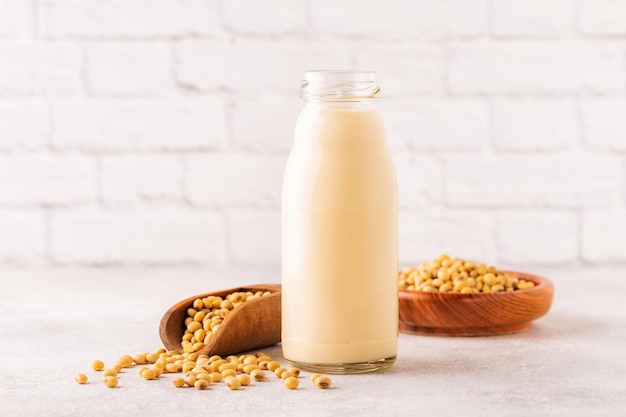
column 252, row 325
column 455, row 314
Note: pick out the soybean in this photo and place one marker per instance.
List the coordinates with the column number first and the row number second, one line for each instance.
column 232, row 382
column 110, row 381
column 125, row 361
column 272, row 366
column 244, row 379
column 216, row 377
column 148, row 374
column 258, row 375
column 201, row 384
column 291, row 382
column 81, row 378
column 322, row 382
column 97, row 365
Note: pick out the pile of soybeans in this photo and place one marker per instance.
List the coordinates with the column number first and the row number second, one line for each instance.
column 200, row 371
column 446, row 274
column 204, row 316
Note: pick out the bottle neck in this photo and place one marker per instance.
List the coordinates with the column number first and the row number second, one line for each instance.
column 339, row 86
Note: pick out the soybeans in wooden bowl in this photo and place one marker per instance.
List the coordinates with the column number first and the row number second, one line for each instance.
column 456, row 297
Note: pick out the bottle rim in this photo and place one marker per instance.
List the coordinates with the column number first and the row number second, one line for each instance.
column 339, row 85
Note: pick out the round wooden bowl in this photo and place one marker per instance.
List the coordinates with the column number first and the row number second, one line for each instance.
column 455, row 314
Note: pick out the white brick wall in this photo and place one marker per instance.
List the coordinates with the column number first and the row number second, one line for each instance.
column 47, row 179
column 254, row 237
column 140, row 236
column 264, row 125
column 422, row 75
column 126, row 18
column 14, row 18
column 133, row 68
column 23, row 236
column 133, row 179
column 156, row 132
column 34, row 68
column 554, row 237
column 419, row 180
column 604, row 236
column 603, row 17
column 234, row 180
column 269, row 17
column 400, row 19
column 426, row 234
column 438, row 124
column 536, row 67
column 534, row 18
column 526, row 125
column 259, row 67
column 138, row 125
column 548, row 181
column 24, row 125
column 604, row 123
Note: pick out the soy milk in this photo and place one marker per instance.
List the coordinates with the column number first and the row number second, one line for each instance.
column 340, row 233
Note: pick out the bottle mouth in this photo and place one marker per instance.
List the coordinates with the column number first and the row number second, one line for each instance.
column 324, row 85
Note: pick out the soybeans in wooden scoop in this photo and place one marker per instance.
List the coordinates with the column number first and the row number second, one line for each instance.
column 251, row 325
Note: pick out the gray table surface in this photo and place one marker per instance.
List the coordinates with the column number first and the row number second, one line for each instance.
column 54, row 323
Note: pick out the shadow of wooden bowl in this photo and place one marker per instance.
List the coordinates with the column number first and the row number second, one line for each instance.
column 455, row 314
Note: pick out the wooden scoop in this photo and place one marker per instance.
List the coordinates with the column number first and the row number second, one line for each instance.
column 251, row 325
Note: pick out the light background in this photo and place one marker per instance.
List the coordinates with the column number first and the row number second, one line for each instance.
column 155, row 132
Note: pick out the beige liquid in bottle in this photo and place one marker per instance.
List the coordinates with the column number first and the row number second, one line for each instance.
column 340, row 243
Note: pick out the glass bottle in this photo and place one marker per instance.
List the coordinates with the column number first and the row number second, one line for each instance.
column 340, row 230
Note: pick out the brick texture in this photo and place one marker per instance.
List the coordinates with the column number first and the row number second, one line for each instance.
column 46, row 179
column 534, row 125
column 252, row 65
column 405, row 70
column 155, row 236
column 534, row 18
column 534, row 67
column 24, row 125
column 604, row 236
column 425, row 235
column 436, row 124
column 138, row 125
column 132, row 179
column 400, row 19
column 14, row 18
column 157, row 132
column 265, row 125
column 270, row 17
column 254, row 237
column 604, row 123
column 35, row 69
column 603, row 17
column 514, row 181
column 235, row 180
column 22, row 237
column 537, row 237
column 126, row 18
column 138, row 68
column 419, row 180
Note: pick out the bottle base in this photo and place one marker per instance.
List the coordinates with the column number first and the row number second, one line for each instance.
column 344, row 368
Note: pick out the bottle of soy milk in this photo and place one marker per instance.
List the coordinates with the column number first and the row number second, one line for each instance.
column 340, row 230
